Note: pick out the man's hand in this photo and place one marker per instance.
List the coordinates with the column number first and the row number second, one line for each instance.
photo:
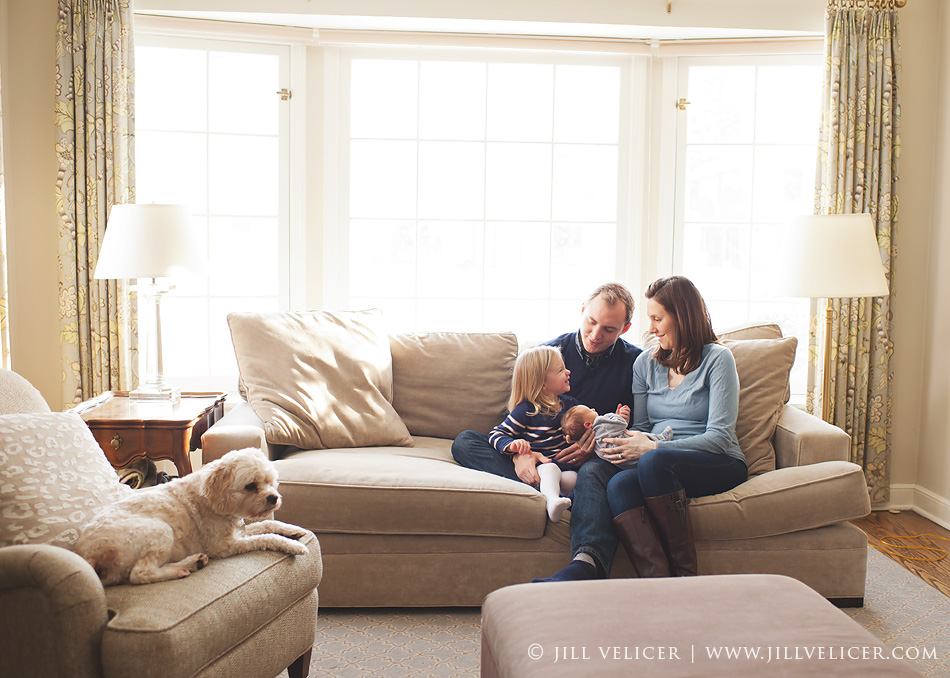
column 518, row 447
column 624, row 412
column 526, row 467
column 580, row 451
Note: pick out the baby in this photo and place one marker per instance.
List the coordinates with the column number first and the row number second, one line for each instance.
column 579, row 418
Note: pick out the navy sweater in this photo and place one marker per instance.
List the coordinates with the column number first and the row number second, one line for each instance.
column 606, row 384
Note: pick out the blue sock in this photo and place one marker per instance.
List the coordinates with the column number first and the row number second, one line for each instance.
column 577, row 570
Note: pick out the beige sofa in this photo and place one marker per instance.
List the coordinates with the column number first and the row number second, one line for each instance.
column 406, row 526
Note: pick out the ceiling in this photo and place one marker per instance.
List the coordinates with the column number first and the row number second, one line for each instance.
column 477, row 26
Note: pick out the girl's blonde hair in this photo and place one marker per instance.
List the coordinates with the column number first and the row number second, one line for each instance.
column 531, row 368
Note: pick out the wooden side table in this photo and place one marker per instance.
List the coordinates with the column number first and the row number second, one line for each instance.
column 126, row 431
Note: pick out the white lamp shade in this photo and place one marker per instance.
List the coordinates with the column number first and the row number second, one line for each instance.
column 149, row 241
column 831, row 256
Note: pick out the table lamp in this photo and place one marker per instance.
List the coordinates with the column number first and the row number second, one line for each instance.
column 152, row 243
column 831, row 256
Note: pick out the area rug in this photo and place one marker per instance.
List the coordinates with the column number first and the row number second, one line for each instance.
column 907, row 614
column 904, row 612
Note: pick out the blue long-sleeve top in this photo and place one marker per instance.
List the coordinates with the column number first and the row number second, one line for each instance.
column 543, row 432
column 702, row 410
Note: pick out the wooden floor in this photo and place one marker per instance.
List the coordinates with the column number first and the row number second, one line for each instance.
column 882, row 523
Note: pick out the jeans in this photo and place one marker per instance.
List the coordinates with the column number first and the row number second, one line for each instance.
column 660, row 472
column 592, row 531
column 471, row 449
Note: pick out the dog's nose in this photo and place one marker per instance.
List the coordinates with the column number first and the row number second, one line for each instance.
column 272, row 499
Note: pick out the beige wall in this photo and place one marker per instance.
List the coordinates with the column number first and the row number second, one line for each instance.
column 30, row 169
column 919, row 51
column 933, row 463
column 920, row 447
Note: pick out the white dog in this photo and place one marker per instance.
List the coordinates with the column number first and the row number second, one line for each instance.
column 169, row 531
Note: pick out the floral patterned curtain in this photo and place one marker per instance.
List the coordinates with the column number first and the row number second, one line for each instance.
column 857, row 172
column 95, row 146
column 4, row 329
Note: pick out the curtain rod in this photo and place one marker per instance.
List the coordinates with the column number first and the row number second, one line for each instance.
column 871, row 4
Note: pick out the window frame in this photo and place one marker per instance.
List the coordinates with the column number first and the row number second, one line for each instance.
column 673, row 232
column 316, row 252
column 633, row 112
column 291, row 162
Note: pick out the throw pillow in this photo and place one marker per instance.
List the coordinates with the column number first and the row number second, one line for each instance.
column 19, row 395
column 751, row 331
column 763, row 366
column 319, row 380
column 447, row 382
column 53, row 478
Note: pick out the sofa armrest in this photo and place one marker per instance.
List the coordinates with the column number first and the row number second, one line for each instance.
column 237, row 429
column 801, row 438
column 54, row 613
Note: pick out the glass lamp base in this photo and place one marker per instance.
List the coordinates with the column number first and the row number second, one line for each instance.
column 155, row 395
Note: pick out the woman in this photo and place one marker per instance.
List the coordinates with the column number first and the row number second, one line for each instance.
column 688, row 382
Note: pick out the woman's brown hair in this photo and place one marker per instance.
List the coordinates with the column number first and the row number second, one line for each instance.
column 681, row 299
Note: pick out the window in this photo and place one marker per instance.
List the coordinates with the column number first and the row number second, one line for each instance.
column 482, row 190
column 211, row 132
column 747, row 147
column 471, row 189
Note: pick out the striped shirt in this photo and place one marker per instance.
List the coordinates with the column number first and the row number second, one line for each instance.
column 543, row 432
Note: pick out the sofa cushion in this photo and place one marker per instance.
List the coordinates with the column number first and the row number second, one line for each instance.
column 53, row 478
column 319, row 379
column 445, row 382
column 180, row 627
column 783, row 501
column 763, row 366
column 415, row 491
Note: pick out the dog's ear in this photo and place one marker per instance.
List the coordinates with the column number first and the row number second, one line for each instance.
column 217, row 487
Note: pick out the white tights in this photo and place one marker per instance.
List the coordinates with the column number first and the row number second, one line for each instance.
column 554, row 483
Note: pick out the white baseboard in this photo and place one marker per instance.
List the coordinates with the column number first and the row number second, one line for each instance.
column 923, row 501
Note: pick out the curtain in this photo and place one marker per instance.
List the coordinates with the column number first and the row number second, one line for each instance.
column 4, row 329
column 94, row 120
column 857, row 172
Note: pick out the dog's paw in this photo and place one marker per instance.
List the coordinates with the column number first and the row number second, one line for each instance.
column 295, row 548
column 201, row 561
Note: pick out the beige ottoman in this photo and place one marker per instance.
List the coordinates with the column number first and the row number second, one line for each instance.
column 722, row 625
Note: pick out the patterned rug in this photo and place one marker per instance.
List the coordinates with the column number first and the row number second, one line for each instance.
column 905, row 612
column 900, row 609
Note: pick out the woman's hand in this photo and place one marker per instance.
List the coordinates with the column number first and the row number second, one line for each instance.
column 580, row 451
column 630, row 448
column 526, row 467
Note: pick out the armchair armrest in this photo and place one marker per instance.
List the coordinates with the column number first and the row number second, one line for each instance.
column 54, row 613
column 801, row 439
column 237, row 429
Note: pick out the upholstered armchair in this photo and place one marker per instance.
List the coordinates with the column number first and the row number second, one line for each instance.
column 249, row 615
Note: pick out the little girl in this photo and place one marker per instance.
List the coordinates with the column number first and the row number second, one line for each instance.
column 533, row 427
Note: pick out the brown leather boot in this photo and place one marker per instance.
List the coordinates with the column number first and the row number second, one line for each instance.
column 638, row 536
column 670, row 513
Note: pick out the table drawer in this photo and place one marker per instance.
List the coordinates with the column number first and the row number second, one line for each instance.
column 121, row 445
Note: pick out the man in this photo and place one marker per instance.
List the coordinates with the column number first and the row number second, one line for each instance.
column 601, row 367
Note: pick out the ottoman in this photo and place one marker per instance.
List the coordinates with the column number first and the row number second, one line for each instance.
column 719, row 625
